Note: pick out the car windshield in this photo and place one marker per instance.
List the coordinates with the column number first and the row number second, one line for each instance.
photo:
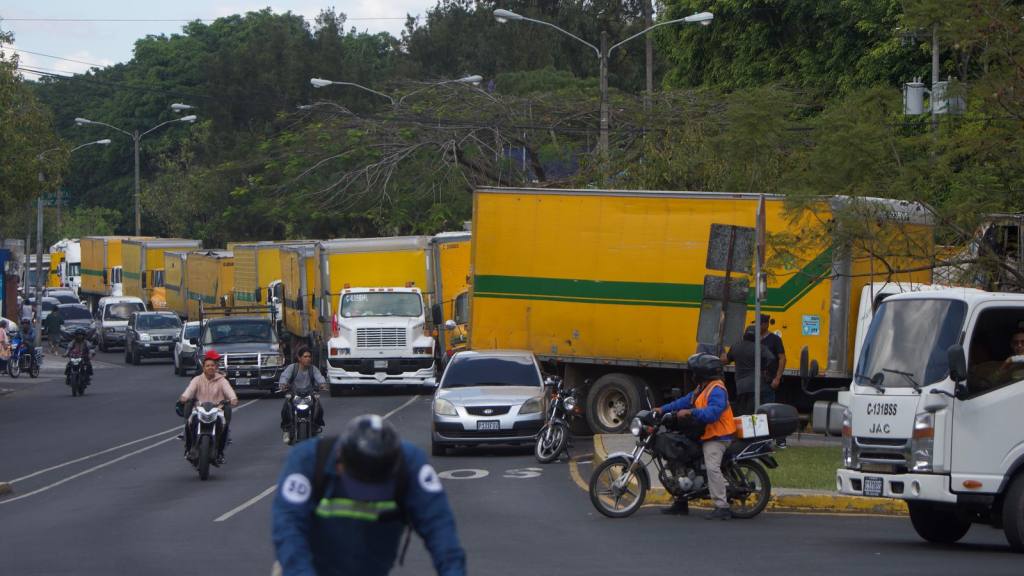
column 192, row 331
column 157, row 322
column 381, row 304
column 910, row 336
column 64, row 297
column 75, row 313
column 239, row 331
column 121, row 310
column 491, row 371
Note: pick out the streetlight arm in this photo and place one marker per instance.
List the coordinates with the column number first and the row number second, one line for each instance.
column 475, row 79
column 85, row 122
column 703, row 18
column 162, row 124
column 103, row 142
column 360, row 86
column 597, row 51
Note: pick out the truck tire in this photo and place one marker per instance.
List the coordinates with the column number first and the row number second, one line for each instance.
column 1013, row 514
column 611, row 402
column 937, row 524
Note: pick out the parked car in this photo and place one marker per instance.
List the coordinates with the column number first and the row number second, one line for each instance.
column 150, row 335
column 64, row 297
column 488, row 397
column 76, row 317
column 48, row 304
column 112, row 314
column 185, row 348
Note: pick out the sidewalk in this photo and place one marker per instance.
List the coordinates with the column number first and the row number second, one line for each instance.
column 783, row 499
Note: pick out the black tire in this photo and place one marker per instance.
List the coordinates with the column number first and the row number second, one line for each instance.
column 205, row 455
column 749, row 488
column 937, row 524
column 33, row 370
column 302, row 431
column 611, row 402
column 604, row 501
column 13, row 368
column 73, row 383
column 547, row 450
column 179, row 368
column 136, row 357
column 1013, row 514
column 437, row 449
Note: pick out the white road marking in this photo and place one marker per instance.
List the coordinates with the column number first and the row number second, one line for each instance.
column 84, row 472
column 108, row 450
column 272, row 487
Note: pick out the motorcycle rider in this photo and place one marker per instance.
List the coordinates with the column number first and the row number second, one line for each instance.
column 301, row 379
column 210, row 386
column 28, row 337
column 708, row 404
column 79, row 348
column 342, row 504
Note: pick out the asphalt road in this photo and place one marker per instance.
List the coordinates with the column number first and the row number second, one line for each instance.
column 100, row 487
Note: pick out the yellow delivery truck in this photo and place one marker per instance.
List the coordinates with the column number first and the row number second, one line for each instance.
column 608, row 286
column 176, row 282
column 211, row 280
column 259, row 274
column 450, row 268
column 143, row 261
column 300, row 320
column 101, row 267
column 377, row 294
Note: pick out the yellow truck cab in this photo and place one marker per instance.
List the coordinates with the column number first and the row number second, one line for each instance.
column 143, row 262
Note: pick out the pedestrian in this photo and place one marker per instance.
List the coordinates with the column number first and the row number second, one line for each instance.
column 53, row 323
column 343, row 503
column 27, row 312
column 5, row 344
column 742, row 353
column 773, row 342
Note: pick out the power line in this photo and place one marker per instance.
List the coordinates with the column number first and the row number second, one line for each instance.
column 59, row 58
column 73, row 20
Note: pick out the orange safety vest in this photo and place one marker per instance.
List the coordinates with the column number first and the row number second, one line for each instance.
column 725, row 425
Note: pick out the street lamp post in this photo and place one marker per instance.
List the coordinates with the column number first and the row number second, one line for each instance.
column 136, row 137
column 39, row 237
column 602, row 53
column 395, row 104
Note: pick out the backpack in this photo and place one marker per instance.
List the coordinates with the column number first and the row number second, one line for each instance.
column 323, row 452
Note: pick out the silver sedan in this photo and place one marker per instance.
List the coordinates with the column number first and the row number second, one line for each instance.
column 488, row 397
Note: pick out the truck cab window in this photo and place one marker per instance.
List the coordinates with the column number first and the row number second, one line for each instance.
column 996, row 353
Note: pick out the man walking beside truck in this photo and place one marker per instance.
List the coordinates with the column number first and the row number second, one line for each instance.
column 775, row 370
column 742, row 353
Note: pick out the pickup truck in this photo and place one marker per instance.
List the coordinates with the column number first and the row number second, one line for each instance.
column 251, row 355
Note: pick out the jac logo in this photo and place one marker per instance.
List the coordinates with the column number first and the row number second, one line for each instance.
column 881, row 409
column 877, row 428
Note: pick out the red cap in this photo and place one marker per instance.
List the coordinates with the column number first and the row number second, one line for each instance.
column 211, row 355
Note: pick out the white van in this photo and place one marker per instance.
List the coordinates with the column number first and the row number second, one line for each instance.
column 111, row 319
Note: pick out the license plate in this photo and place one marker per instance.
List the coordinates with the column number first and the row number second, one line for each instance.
column 488, row 425
column 380, row 364
column 873, row 486
column 242, row 381
column 165, row 348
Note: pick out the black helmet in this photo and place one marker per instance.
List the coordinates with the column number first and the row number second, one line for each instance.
column 80, row 334
column 705, row 367
column 370, row 449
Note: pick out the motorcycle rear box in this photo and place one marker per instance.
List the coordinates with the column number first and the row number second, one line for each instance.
column 783, row 419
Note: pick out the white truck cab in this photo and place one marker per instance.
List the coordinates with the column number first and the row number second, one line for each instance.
column 380, row 340
column 934, row 412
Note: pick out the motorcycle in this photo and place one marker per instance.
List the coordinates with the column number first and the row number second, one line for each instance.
column 302, row 417
column 77, row 377
column 208, row 419
column 619, row 485
column 21, row 361
column 553, row 438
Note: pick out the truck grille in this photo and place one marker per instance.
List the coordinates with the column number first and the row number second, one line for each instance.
column 380, row 337
column 237, row 360
column 882, row 451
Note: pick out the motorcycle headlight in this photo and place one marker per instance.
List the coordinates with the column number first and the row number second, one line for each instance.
column 143, row 337
column 531, row 406
column 273, row 360
column 635, row 427
column 443, row 407
column 207, row 417
column 569, row 402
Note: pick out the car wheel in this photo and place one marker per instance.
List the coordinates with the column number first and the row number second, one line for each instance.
column 437, row 449
column 136, row 357
column 177, row 367
column 127, row 356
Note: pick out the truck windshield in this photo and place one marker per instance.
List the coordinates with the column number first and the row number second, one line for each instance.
column 910, row 336
column 122, row 310
column 381, row 304
column 237, row 331
column 74, row 269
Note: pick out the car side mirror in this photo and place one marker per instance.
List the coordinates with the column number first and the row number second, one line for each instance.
column 450, row 325
column 436, row 316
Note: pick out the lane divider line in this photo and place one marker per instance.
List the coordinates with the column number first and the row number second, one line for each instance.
column 108, row 450
column 270, row 490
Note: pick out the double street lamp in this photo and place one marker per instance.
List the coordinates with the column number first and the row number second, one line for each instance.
column 704, row 18
column 321, row 83
column 136, row 137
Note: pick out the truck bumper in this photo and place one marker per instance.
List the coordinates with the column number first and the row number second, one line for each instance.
column 252, row 378
column 931, row 487
column 342, row 380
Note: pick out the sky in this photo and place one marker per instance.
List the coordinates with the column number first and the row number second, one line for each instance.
column 38, row 28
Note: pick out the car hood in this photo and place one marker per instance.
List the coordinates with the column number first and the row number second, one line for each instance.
column 75, row 324
column 161, row 332
column 489, row 395
column 244, row 348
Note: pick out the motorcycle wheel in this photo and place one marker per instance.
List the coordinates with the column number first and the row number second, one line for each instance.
column 33, row 370
column 749, row 488
column 73, row 382
column 13, row 367
column 602, row 495
column 302, row 431
column 550, row 443
column 205, row 454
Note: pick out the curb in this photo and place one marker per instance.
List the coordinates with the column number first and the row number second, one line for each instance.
column 5, row 488
column 811, row 503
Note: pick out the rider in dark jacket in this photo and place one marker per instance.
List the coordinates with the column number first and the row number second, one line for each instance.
column 79, row 348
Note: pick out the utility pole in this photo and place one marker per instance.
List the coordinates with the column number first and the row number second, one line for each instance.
column 603, row 142
column 138, row 203
column 649, row 45
column 935, row 74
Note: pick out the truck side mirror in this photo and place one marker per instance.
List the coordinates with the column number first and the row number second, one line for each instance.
column 957, row 363
column 436, row 316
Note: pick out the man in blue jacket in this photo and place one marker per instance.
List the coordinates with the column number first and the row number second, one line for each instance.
column 348, row 517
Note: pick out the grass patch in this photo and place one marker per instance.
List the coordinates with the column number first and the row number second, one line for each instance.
column 808, row 467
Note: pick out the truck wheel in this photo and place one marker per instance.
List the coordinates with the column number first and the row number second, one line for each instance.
column 937, row 524
column 1013, row 514
column 611, row 402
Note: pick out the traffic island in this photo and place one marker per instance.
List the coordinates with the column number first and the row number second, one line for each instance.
column 808, row 496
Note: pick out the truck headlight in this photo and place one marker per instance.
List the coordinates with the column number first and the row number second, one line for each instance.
column 847, row 438
column 443, row 407
column 531, row 406
column 922, row 444
column 273, row 360
column 341, row 351
column 422, row 350
column 143, row 337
